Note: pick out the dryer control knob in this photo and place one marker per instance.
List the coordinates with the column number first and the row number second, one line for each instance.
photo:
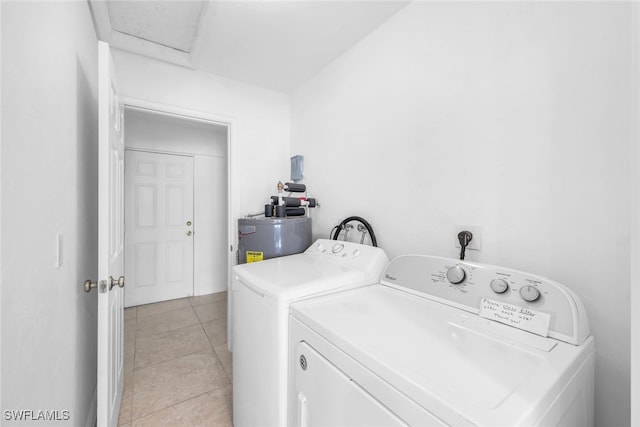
column 456, row 275
column 337, row 248
column 499, row 286
column 529, row 293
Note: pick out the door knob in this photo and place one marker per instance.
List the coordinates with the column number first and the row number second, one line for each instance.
column 113, row 282
column 189, row 233
column 189, row 223
column 88, row 285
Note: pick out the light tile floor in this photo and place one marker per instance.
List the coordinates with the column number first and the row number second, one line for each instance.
column 177, row 367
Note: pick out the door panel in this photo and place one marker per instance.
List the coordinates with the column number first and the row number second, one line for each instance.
column 145, row 207
column 146, row 259
column 175, row 204
column 110, row 241
column 328, row 397
column 175, row 251
column 159, row 241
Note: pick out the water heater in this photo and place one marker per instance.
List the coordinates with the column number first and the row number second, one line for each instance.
column 264, row 238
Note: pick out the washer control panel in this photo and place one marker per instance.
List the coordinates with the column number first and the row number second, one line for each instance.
column 340, row 249
column 350, row 254
column 493, row 292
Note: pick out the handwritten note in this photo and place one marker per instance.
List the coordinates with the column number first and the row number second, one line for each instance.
column 516, row 316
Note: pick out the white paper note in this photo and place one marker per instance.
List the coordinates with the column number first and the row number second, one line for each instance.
column 516, row 316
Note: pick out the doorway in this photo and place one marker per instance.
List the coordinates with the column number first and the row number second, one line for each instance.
column 176, row 206
column 158, row 226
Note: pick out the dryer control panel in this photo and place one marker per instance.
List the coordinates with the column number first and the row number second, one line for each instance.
column 515, row 298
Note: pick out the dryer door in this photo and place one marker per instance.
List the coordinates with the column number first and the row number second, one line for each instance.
column 327, row 397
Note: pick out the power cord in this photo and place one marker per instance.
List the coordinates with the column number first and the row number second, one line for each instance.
column 464, row 237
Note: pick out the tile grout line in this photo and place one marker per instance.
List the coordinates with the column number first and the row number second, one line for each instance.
column 136, row 338
column 176, row 357
column 167, row 331
column 216, row 353
column 164, row 312
column 176, row 404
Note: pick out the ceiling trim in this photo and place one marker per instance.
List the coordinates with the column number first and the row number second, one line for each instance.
column 100, row 15
column 215, row 118
column 150, row 49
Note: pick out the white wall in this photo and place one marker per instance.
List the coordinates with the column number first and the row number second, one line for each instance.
column 210, row 217
column 160, row 132
column 260, row 129
column 207, row 144
column 509, row 115
column 49, row 185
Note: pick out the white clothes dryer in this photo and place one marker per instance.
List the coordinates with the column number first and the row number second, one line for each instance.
column 443, row 342
column 261, row 296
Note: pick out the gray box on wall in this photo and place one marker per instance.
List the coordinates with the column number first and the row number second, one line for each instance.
column 297, row 163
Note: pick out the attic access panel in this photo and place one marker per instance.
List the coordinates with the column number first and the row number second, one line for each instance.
column 173, row 24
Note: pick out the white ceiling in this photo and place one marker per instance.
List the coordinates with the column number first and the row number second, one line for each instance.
column 272, row 44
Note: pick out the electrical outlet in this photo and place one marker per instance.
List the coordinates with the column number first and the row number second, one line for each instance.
column 476, row 241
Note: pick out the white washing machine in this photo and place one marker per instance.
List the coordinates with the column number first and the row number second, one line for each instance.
column 443, row 342
column 261, row 296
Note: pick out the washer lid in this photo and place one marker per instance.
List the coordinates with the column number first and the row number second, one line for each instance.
column 289, row 278
column 431, row 354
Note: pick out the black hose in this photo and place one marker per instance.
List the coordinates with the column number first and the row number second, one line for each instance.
column 331, row 232
column 361, row 220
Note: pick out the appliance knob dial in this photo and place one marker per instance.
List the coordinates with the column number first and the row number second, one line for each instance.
column 499, row 286
column 456, row 275
column 337, row 248
column 529, row 293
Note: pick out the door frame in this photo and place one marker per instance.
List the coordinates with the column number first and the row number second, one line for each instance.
column 635, row 218
column 232, row 179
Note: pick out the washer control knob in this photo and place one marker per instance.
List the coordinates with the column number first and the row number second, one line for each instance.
column 499, row 286
column 456, row 275
column 529, row 293
column 337, row 248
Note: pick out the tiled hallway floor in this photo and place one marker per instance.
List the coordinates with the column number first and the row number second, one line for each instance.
column 177, row 367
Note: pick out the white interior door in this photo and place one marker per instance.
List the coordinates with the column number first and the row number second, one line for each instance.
column 158, row 227
column 110, row 241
